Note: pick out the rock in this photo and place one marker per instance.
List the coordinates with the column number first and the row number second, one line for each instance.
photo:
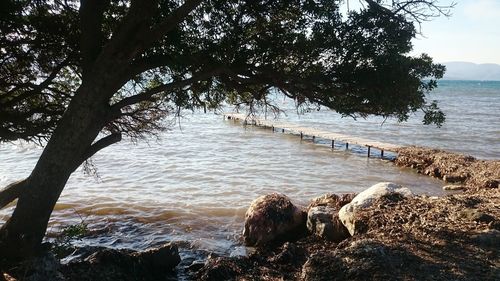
column 490, row 183
column 7, row 277
column 356, row 261
column 289, row 254
column 322, row 267
column 488, row 238
column 45, row 267
column 79, row 254
column 454, row 178
column 453, row 187
column 359, row 260
column 220, row 269
column 323, row 222
column 111, row 264
column 322, row 217
column 475, row 215
column 332, row 200
column 110, row 257
column 365, row 199
column 432, row 172
column 196, row 266
column 162, row 259
column 272, row 217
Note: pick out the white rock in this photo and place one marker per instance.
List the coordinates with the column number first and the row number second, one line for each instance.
column 365, row 199
column 453, row 187
column 322, row 216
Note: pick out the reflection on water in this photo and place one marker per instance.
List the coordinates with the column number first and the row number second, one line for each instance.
column 195, row 183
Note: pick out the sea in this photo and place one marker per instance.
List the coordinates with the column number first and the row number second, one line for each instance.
column 193, row 184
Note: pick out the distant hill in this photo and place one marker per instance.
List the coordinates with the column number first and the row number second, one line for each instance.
column 471, row 71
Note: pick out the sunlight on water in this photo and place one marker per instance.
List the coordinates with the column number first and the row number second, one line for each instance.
column 195, row 183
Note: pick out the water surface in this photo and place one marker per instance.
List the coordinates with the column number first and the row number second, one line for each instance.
column 194, row 184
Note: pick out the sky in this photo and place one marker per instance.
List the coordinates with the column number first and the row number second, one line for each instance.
column 471, row 34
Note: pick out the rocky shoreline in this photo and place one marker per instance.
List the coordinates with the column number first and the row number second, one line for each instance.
column 383, row 233
column 457, row 169
column 397, row 236
column 454, row 237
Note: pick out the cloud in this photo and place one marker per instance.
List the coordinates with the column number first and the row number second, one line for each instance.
column 482, row 10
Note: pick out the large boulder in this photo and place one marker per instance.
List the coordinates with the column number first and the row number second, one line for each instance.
column 322, row 217
column 159, row 260
column 112, row 264
column 272, row 217
column 365, row 199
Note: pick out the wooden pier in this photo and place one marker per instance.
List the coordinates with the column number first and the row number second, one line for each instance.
column 315, row 133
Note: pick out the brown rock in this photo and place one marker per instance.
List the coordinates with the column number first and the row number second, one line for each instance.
column 323, row 267
column 111, row 264
column 220, row 269
column 360, row 260
column 454, row 178
column 491, row 183
column 163, row 259
column 272, row 217
column 477, row 216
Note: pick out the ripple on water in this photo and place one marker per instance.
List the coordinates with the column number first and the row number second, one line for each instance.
column 194, row 184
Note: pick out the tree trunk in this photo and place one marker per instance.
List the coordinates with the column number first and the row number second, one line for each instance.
column 22, row 234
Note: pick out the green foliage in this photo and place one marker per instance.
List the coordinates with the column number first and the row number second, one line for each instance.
column 35, row 41
column 236, row 51
column 62, row 244
column 75, row 231
column 433, row 115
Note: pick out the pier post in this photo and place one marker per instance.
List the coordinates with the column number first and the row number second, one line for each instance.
column 304, row 131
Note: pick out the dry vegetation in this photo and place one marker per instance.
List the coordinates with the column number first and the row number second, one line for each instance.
column 451, row 167
column 455, row 237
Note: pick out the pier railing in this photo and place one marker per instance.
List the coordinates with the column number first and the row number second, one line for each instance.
column 315, row 133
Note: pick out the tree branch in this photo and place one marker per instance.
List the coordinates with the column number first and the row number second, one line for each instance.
column 137, row 33
column 171, row 21
column 91, row 18
column 127, row 40
column 148, row 94
column 36, row 88
column 12, row 192
column 143, row 64
column 100, row 144
column 417, row 10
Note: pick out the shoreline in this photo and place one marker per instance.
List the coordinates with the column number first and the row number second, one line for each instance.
column 453, row 168
column 451, row 237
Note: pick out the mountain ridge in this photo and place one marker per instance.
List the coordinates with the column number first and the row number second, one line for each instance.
column 461, row 70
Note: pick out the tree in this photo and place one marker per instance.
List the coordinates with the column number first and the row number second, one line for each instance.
column 78, row 76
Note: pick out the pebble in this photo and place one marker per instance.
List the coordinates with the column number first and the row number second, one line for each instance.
column 453, row 187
